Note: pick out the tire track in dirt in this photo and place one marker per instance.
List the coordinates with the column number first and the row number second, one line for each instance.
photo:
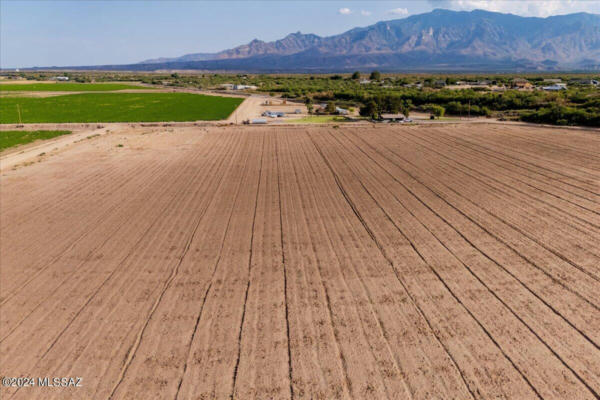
column 105, row 219
column 156, row 221
column 75, row 231
column 585, row 324
column 545, row 150
column 313, row 342
column 549, row 143
column 537, row 155
column 579, row 140
column 546, row 190
column 61, row 213
column 198, row 318
column 488, row 385
column 264, row 369
column 285, row 275
column 514, row 241
column 590, row 265
column 496, row 253
column 65, row 185
column 250, row 259
column 573, row 244
column 534, row 174
column 535, row 178
column 375, row 323
column 212, row 346
column 537, row 172
column 25, row 250
column 16, row 206
column 585, row 185
column 120, row 220
column 165, row 309
column 163, row 290
column 369, row 231
column 518, row 317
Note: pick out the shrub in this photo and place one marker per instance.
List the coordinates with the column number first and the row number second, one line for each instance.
column 375, row 76
column 330, row 107
column 436, row 110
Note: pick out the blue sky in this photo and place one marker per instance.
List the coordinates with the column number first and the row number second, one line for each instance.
column 47, row 33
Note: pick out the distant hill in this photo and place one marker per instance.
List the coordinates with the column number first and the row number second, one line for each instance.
column 438, row 40
column 291, row 44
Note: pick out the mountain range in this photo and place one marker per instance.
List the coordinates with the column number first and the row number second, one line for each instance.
column 439, row 40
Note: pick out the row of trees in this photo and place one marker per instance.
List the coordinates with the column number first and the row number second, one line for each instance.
column 458, row 108
column 375, row 75
column 374, row 107
column 557, row 114
column 330, row 108
column 377, row 106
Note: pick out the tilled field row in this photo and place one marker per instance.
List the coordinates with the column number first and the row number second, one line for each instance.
column 448, row 262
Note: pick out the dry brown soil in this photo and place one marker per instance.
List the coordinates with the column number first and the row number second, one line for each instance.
column 400, row 262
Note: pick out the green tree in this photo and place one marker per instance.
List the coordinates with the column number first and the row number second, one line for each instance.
column 330, row 107
column 437, row 111
column 309, row 104
column 405, row 107
column 370, row 109
column 356, row 75
column 375, row 76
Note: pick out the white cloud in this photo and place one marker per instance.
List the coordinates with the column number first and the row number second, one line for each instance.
column 536, row 8
column 365, row 13
column 344, row 11
column 398, row 11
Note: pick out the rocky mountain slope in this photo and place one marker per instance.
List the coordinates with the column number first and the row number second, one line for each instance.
column 438, row 40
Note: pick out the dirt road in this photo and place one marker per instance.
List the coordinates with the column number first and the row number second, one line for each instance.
column 249, row 109
column 400, row 262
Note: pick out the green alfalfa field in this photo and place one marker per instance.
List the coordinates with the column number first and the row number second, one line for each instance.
column 68, row 87
column 116, row 107
column 16, row 138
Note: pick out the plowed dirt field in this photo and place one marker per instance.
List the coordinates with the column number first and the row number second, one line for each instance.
column 423, row 262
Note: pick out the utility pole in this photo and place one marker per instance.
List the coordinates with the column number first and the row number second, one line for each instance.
column 19, row 112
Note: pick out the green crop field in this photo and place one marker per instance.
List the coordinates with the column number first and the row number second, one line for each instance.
column 15, row 138
column 116, row 107
column 67, row 87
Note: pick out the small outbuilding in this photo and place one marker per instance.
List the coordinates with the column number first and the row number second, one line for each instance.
column 244, row 87
column 555, row 87
column 585, row 82
column 521, row 84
